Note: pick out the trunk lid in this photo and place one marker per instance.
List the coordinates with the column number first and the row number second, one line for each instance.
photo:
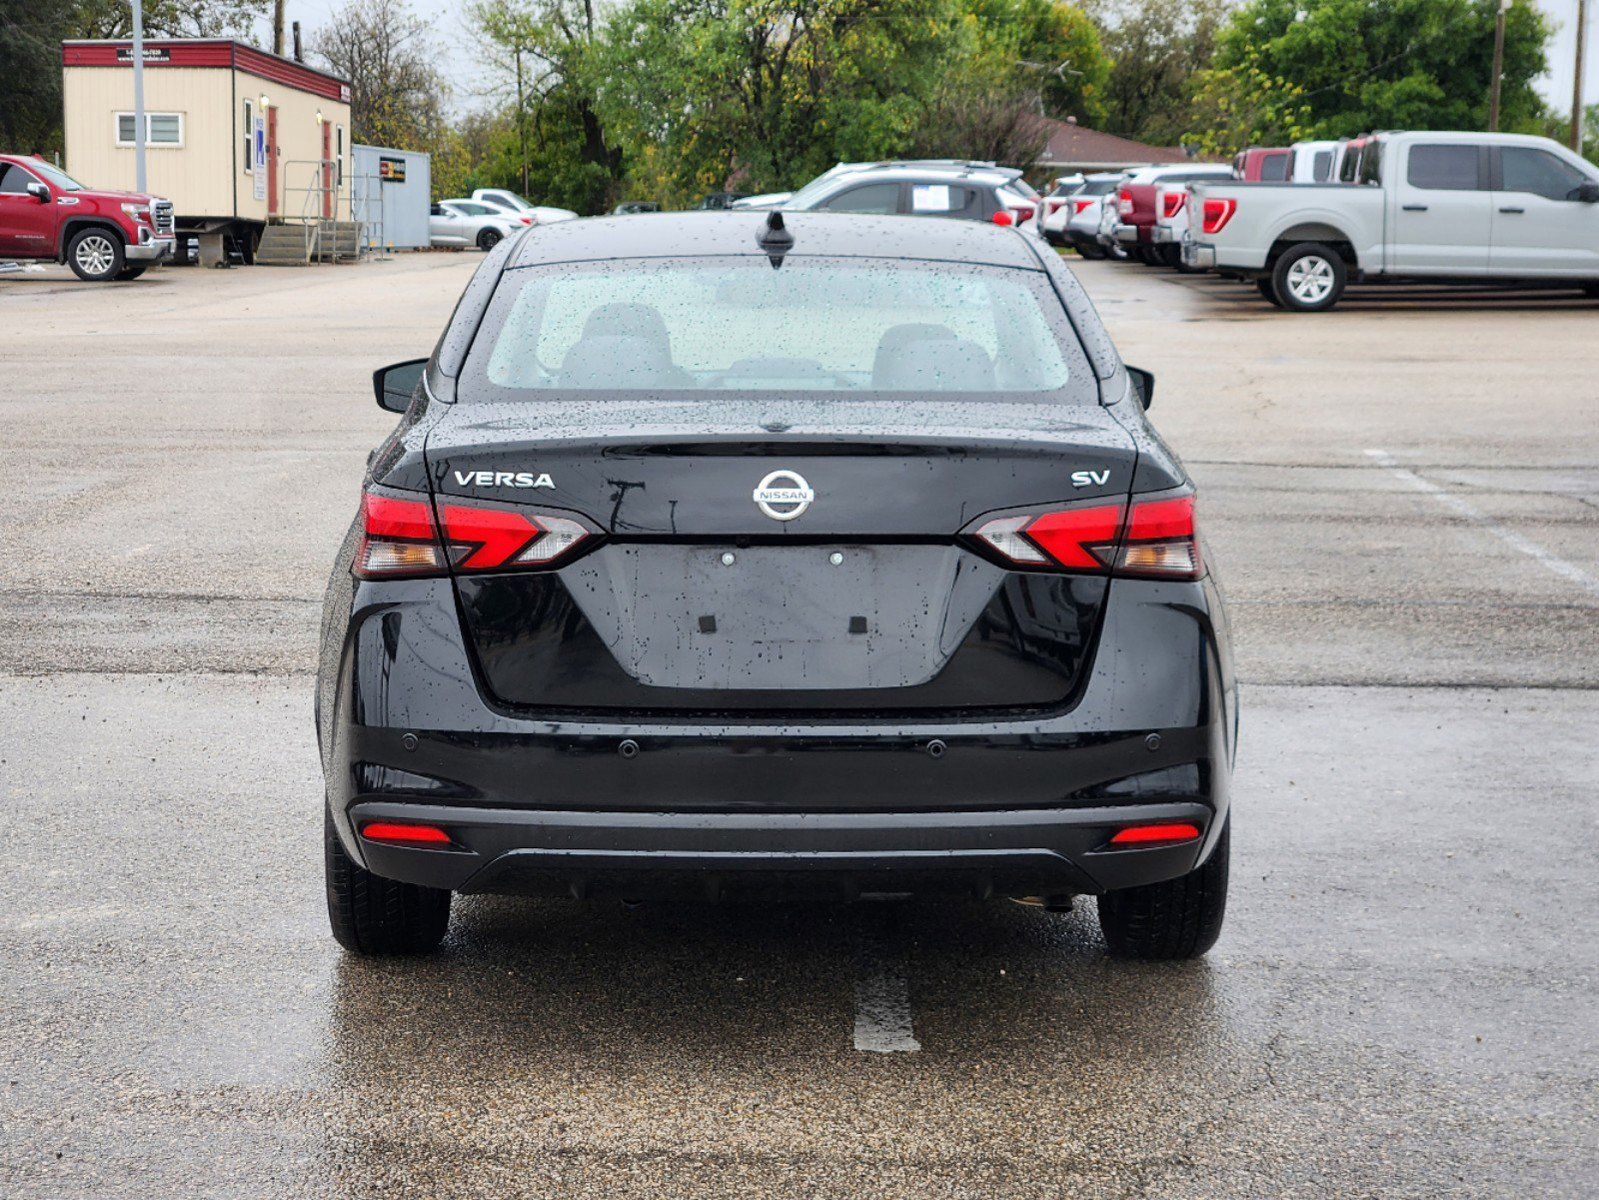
column 700, row 599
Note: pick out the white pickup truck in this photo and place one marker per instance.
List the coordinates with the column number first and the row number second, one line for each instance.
column 1436, row 207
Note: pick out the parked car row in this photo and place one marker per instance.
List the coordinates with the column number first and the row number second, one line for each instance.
column 1301, row 223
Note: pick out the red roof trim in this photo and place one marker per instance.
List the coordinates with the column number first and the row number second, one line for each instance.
column 161, row 53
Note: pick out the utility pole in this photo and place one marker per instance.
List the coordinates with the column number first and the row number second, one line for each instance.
column 521, row 117
column 138, row 97
column 1576, row 87
column 277, row 27
column 1499, row 67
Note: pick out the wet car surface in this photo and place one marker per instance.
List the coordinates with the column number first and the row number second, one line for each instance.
column 1400, row 1005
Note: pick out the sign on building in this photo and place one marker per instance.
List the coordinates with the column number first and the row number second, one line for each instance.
column 258, row 156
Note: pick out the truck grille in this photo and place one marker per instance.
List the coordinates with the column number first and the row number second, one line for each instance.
column 161, row 213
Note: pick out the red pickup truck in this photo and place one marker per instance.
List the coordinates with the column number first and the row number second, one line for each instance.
column 46, row 214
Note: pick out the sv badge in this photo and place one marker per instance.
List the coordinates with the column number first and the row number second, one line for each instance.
column 1090, row 478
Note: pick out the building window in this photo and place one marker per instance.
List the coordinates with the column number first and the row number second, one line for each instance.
column 249, row 137
column 160, row 129
column 338, row 154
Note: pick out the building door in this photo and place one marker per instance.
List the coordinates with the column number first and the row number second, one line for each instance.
column 328, row 172
column 272, row 160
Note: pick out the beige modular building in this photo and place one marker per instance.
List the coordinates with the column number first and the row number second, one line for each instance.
column 235, row 137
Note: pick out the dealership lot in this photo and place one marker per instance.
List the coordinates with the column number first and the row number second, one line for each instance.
column 1403, row 496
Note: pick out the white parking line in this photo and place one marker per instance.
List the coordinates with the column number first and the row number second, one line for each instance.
column 883, row 1013
column 1567, row 571
column 882, row 995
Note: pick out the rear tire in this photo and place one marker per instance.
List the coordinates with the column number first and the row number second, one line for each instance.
column 1170, row 255
column 373, row 915
column 488, row 239
column 95, row 254
column 1090, row 252
column 1180, row 918
column 1591, row 290
column 1309, row 277
column 1267, row 291
column 128, row 273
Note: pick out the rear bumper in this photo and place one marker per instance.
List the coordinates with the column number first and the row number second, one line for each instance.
column 1163, row 234
column 1129, row 235
column 1198, row 256
column 1013, row 804
column 542, row 852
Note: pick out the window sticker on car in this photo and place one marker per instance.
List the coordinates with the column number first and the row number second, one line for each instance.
column 930, row 197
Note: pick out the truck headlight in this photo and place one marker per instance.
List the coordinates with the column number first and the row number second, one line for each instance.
column 137, row 211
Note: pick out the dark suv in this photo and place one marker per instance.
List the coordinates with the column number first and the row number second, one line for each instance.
column 722, row 554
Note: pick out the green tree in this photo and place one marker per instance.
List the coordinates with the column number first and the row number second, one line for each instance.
column 1381, row 64
column 549, row 59
column 1155, row 47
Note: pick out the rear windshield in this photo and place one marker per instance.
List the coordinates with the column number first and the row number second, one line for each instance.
column 727, row 326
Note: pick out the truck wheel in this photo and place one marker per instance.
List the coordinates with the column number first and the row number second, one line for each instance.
column 1090, row 252
column 1170, row 255
column 1180, row 918
column 1267, row 290
column 1309, row 277
column 372, row 915
column 95, row 254
column 489, row 239
column 128, row 273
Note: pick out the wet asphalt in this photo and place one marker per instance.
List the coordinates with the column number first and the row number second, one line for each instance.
column 1403, row 496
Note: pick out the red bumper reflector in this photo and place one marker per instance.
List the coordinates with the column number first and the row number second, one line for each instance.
column 407, row 835
column 1140, row 835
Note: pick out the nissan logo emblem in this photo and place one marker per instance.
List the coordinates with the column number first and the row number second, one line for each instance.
column 783, row 495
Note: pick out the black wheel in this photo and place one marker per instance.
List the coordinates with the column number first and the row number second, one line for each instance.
column 1309, row 277
column 488, row 239
column 372, row 915
column 1180, row 918
column 128, row 273
column 95, row 254
column 1265, row 288
column 1170, row 255
column 1089, row 251
column 1591, row 290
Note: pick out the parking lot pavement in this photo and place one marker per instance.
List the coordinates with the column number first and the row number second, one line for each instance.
column 1402, row 1004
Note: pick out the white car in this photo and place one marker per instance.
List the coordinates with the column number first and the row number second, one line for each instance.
column 1318, row 162
column 1083, row 212
column 510, row 202
column 1052, row 215
column 764, row 200
column 471, row 223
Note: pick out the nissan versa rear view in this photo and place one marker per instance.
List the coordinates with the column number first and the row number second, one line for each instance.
column 718, row 557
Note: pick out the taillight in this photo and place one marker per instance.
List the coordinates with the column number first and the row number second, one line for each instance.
column 1217, row 213
column 400, row 538
column 1153, row 538
column 1022, row 213
column 1053, row 206
column 1003, row 217
column 489, row 539
column 1079, row 205
column 1124, row 202
column 1172, row 203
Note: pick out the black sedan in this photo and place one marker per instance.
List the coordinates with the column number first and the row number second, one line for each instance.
column 716, row 557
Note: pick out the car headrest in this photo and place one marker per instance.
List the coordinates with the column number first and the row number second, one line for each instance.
column 618, row 361
column 626, row 319
column 902, row 335
column 934, row 365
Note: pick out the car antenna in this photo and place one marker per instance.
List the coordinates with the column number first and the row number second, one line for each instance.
column 775, row 238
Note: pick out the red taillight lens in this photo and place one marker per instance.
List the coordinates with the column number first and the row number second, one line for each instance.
column 1154, row 539
column 1079, row 205
column 1172, row 203
column 527, row 220
column 487, row 539
column 1022, row 213
column 1003, row 218
column 1217, row 213
column 398, row 538
column 396, row 833
column 1144, row 835
column 1124, row 202
column 401, row 540
column 1052, row 206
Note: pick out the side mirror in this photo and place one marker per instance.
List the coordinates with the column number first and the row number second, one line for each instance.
column 39, row 192
column 1588, row 193
column 1143, row 385
column 394, row 384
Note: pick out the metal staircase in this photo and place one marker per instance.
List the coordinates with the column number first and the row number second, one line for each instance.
column 311, row 236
